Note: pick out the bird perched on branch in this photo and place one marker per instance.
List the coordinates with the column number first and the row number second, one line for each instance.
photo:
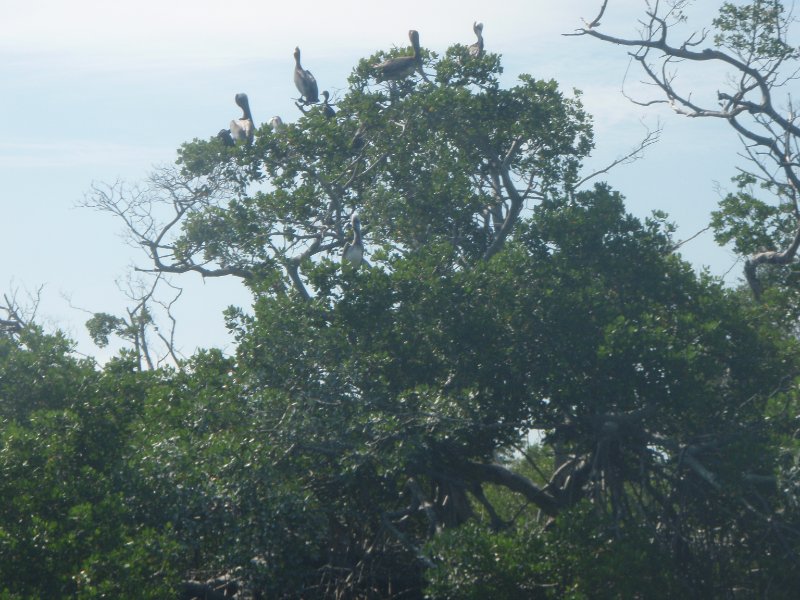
column 243, row 129
column 327, row 109
column 476, row 49
column 353, row 253
column 358, row 141
column 277, row 124
column 305, row 82
column 401, row 67
column 225, row 136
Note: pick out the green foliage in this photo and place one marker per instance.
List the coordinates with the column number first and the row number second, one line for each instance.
column 102, row 325
column 363, row 439
column 66, row 528
column 577, row 556
column 422, row 174
column 421, row 370
column 755, row 31
column 751, row 224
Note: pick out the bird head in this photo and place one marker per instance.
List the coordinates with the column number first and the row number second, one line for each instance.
column 242, row 101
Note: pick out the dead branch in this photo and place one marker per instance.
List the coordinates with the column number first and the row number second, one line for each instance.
column 651, row 137
column 19, row 315
column 768, row 134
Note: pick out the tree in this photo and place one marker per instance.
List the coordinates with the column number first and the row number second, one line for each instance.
column 749, row 50
column 397, row 400
column 141, row 321
column 372, row 424
column 65, row 525
column 478, row 154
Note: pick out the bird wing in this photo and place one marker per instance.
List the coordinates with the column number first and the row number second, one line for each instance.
column 398, row 67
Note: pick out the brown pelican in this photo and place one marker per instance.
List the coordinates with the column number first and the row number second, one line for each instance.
column 353, row 253
column 242, row 129
column 225, row 136
column 476, row 49
column 327, row 109
column 401, row 66
column 305, row 82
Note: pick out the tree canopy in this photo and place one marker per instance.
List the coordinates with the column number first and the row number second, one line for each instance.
column 522, row 391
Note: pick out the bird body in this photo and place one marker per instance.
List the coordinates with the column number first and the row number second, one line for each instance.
column 357, row 142
column 400, row 67
column 353, row 252
column 225, row 136
column 476, row 49
column 243, row 129
column 305, row 82
column 327, row 109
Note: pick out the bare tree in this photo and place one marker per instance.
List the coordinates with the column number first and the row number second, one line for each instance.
column 19, row 314
column 749, row 43
column 149, row 315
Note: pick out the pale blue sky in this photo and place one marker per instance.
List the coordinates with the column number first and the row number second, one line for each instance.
column 99, row 91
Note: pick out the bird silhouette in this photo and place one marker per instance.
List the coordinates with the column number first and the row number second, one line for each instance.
column 476, row 49
column 353, row 252
column 305, row 82
column 400, row 67
column 243, row 129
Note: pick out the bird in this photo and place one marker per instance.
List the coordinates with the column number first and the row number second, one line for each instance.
column 353, row 253
column 225, row 136
column 305, row 82
column 357, row 142
column 243, row 129
column 476, row 49
column 277, row 124
column 327, row 109
column 400, row 67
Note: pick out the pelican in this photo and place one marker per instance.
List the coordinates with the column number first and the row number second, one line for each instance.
column 277, row 124
column 353, row 253
column 225, row 136
column 476, row 49
column 242, row 129
column 401, row 66
column 327, row 109
column 305, row 82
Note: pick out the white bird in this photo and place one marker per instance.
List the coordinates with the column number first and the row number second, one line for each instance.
column 243, row 129
column 305, row 82
column 353, row 253
column 277, row 124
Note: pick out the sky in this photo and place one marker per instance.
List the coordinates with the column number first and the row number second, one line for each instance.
column 97, row 91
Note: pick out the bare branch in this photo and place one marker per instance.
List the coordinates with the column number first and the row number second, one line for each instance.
column 650, row 138
column 769, row 135
column 690, row 238
column 17, row 315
